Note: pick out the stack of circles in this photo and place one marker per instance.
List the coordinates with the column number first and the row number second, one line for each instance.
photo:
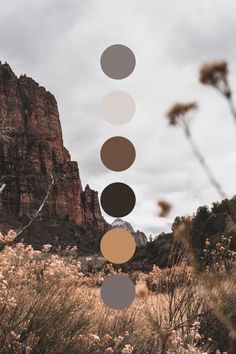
column 118, row 199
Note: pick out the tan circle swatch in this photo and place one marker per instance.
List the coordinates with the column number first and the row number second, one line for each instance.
column 118, row 153
column 118, row 107
column 118, row 246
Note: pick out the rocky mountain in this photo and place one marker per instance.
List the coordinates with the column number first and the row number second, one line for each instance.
column 31, row 151
column 140, row 237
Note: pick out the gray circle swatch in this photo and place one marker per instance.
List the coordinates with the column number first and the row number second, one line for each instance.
column 118, row 107
column 118, row 61
column 118, row 292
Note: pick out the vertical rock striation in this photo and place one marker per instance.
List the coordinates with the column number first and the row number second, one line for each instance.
column 31, row 149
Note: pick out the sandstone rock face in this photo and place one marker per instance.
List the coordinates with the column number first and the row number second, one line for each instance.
column 31, row 151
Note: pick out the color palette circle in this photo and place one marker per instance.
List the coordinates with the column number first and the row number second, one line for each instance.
column 118, row 292
column 118, row 246
column 118, row 61
column 118, row 153
column 118, row 107
column 118, row 199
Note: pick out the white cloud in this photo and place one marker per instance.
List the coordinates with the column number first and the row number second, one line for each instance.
column 59, row 44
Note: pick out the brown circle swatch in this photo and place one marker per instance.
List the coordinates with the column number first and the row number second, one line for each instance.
column 118, row 292
column 118, row 153
column 118, row 61
column 118, row 246
column 118, row 199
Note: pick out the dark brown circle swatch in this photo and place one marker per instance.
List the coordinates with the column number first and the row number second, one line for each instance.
column 118, row 153
column 118, row 61
column 118, row 199
column 118, row 292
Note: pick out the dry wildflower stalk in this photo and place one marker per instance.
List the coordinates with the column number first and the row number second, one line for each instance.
column 141, row 290
column 216, row 274
column 19, row 233
column 165, row 208
column 179, row 111
column 215, row 74
column 178, row 116
column 8, row 238
column 2, row 187
column 40, row 208
column 177, row 309
column 5, row 136
column 181, row 231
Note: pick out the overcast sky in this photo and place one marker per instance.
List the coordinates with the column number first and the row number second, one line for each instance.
column 59, row 44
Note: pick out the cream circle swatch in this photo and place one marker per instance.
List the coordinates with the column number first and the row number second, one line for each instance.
column 118, row 291
column 118, row 246
column 118, row 107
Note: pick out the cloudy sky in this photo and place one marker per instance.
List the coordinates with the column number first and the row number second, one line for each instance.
column 59, row 44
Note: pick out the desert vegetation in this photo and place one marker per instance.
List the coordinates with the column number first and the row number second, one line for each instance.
column 50, row 303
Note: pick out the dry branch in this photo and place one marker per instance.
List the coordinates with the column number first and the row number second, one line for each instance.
column 2, row 187
column 178, row 115
column 40, row 208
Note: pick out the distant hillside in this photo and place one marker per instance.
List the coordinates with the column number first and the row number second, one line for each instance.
column 207, row 223
column 140, row 237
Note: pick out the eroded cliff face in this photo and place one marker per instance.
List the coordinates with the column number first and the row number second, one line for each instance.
column 31, row 151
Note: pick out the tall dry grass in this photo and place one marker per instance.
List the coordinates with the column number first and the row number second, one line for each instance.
column 50, row 303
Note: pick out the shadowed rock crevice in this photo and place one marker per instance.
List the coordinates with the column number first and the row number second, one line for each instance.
column 33, row 150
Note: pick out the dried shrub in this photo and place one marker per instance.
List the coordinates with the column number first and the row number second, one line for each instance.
column 165, row 208
column 49, row 305
column 214, row 73
column 179, row 111
column 178, row 116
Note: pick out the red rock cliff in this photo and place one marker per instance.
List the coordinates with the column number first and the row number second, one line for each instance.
column 34, row 151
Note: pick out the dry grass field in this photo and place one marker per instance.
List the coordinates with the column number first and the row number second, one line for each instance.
column 50, row 303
